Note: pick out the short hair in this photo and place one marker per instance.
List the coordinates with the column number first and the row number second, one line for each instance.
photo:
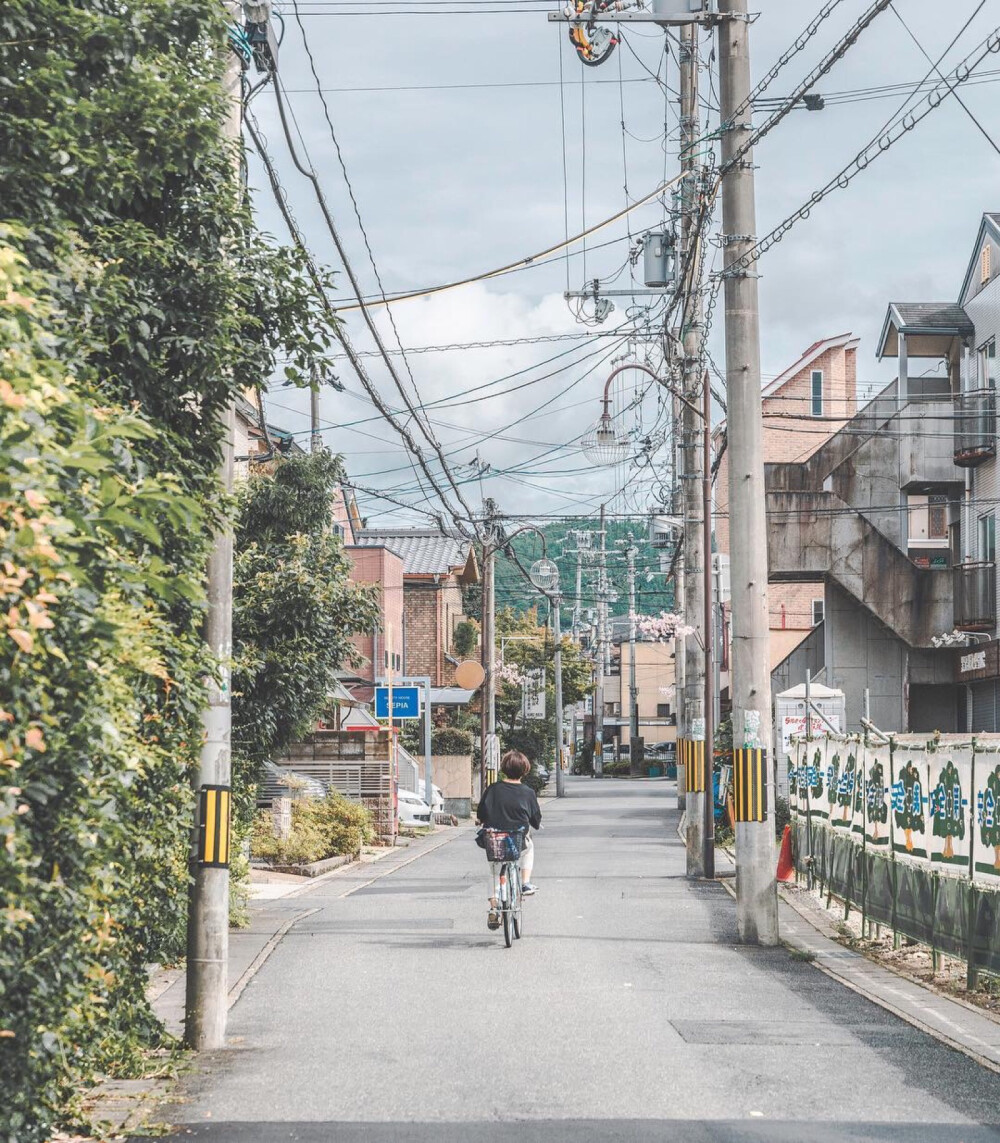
column 514, row 764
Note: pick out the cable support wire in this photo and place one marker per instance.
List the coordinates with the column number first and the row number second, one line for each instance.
column 900, row 125
column 318, row 283
column 308, row 171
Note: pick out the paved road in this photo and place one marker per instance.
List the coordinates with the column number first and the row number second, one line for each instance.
column 628, row 1012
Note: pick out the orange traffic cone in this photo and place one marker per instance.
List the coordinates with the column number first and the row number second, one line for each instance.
column 786, row 870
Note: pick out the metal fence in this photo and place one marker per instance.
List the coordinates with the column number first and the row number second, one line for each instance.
column 908, row 832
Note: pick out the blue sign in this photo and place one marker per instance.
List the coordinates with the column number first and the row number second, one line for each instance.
column 405, row 702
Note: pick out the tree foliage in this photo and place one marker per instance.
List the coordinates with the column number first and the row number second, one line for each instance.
column 294, row 613
column 136, row 297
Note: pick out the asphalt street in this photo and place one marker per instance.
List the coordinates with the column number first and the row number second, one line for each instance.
column 627, row 1012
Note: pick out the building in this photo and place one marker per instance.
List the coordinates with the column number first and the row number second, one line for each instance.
column 803, row 407
column 436, row 567
column 384, row 647
column 655, row 692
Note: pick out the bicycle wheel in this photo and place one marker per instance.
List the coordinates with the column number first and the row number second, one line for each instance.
column 505, row 905
column 515, row 905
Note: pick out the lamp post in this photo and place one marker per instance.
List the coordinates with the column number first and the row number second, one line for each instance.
column 604, row 446
column 545, row 576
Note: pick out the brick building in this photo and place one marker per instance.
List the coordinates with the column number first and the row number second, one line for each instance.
column 435, row 568
column 383, row 647
column 803, row 408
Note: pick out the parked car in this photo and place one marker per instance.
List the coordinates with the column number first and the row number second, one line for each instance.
column 438, row 796
column 413, row 810
column 542, row 771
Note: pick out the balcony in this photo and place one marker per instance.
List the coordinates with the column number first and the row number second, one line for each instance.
column 975, row 595
column 975, row 427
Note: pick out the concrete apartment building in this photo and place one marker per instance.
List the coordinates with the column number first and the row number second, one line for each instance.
column 896, row 516
column 804, row 407
column 436, row 566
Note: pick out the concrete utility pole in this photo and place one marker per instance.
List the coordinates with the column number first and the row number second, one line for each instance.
column 315, row 437
column 487, row 759
column 208, row 898
column 557, row 660
column 756, row 889
column 633, row 689
column 692, row 707
column 602, row 624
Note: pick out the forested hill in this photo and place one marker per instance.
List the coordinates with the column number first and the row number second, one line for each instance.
column 652, row 594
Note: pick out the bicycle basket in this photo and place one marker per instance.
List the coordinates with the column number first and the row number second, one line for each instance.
column 502, row 846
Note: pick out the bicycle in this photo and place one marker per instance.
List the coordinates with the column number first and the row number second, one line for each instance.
column 505, row 848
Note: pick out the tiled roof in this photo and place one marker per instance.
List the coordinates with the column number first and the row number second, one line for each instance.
column 424, row 551
column 931, row 316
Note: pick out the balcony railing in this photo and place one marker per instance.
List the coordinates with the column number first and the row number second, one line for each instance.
column 975, row 427
column 975, row 595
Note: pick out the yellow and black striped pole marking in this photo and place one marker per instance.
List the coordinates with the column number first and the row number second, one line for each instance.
column 750, row 784
column 696, row 766
column 213, row 829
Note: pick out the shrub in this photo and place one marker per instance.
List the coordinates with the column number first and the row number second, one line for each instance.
column 466, row 637
column 451, row 740
column 321, row 828
column 782, row 816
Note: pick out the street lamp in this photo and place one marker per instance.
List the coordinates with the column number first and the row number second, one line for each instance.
column 594, row 453
column 604, row 445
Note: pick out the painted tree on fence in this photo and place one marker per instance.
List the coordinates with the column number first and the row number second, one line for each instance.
column 908, row 803
column 815, row 775
column 878, row 811
column 989, row 819
column 832, row 781
column 949, row 821
column 845, row 786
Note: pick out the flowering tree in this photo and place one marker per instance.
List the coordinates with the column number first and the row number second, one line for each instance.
column 663, row 627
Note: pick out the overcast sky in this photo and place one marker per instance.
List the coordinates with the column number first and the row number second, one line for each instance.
column 450, row 127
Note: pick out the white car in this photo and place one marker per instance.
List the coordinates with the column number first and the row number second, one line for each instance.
column 438, row 796
column 413, row 810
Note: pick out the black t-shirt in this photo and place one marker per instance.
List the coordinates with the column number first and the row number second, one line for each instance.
column 509, row 806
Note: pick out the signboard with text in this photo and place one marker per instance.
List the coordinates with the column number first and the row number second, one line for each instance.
column 405, row 702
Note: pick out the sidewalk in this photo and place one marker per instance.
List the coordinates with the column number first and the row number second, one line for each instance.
column 284, row 902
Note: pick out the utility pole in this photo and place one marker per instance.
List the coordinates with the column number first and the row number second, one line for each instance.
column 557, row 662
column 756, row 888
column 602, row 624
column 487, row 747
column 693, row 707
column 577, row 599
column 315, row 439
column 633, row 689
column 206, row 998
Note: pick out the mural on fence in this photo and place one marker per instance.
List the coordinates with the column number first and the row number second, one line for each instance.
column 936, row 800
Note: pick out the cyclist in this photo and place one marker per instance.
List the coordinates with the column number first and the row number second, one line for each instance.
column 510, row 806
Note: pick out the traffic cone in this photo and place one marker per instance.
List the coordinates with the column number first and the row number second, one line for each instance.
column 786, row 870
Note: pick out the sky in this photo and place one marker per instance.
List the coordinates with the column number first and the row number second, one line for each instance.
column 465, row 152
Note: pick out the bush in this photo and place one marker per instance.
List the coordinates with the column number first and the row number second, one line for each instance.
column 451, row 740
column 465, row 638
column 533, row 780
column 782, row 816
column 584, row 761
column 321, row 828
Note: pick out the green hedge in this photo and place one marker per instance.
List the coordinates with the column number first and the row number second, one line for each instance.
column 447, row 740
column 321, row 828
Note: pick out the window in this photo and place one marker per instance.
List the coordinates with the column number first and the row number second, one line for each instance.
column 663, row 710
column 817, row 393
column 937, row 517
column 819, row 611
column 988, row 538
column 984, row 265
column 988, row 365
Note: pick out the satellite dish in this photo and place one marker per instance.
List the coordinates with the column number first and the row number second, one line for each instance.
column 469, row 675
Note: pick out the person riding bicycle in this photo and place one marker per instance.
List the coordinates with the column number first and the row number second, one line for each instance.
column 510, row 806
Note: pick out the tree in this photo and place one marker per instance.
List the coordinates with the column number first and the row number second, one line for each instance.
column 946, row 808
column 294, row 611
column 908, row 803
column 149, row 299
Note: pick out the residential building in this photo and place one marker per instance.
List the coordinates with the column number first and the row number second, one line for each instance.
column 383, row 648
column 436, row 567
column 807, row 404
column 655, row 693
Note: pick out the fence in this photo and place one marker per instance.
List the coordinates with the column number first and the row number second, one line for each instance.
column 907, row 831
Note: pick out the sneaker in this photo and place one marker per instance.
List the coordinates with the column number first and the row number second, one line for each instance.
column 493, row 919
column 528, row 890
